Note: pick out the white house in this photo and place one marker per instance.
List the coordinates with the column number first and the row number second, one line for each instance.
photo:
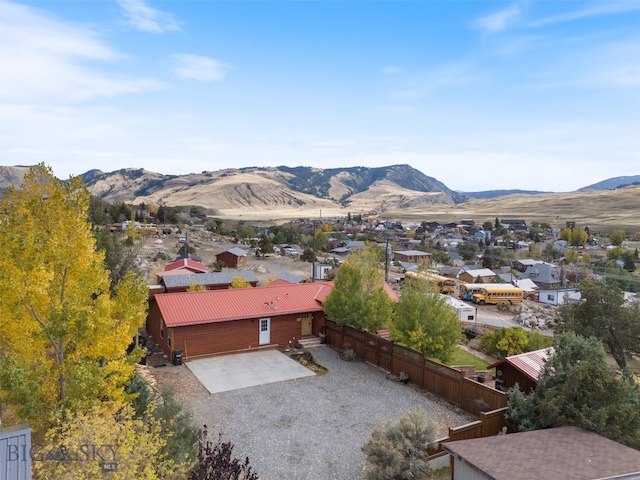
column 558, row 296
column 321, row 271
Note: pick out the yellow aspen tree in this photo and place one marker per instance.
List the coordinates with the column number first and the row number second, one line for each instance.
column 103, row 443
column 63, row 334
column 239, row 282
column 193, row 287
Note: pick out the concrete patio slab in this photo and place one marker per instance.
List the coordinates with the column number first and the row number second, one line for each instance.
column 243, row 370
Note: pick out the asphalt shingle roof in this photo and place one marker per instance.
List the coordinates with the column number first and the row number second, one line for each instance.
column 211, row 278
column 564, row 453
column 237, row 251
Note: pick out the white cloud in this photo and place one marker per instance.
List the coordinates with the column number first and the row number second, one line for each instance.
column 147, row 19
column 200, row 68
column 391, row 70
column 604, row 8
column 46, row 60
column 499, row 21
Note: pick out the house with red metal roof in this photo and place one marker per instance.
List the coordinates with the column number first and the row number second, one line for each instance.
column 523, row 369
column 215, row 322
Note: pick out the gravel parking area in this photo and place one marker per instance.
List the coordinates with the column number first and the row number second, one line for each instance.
column 310, row 428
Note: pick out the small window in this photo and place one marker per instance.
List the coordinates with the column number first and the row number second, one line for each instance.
column 169, row 338
column 551, row 297
column 161, row 328
column 264, row 325
column 470, row 318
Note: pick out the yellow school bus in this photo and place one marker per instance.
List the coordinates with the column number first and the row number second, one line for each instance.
column 445, row 284
column 494, row 295
column 149, row 229
column 466, row 290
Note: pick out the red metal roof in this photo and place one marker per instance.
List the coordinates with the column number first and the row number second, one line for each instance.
column 192, row 308
column 279, row 282
column 187, row 263
column 530, row 363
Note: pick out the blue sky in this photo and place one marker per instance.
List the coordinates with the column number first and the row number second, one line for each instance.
column 538, row 95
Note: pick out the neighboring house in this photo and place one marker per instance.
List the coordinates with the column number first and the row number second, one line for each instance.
column 354, row 245
column 522, row 264
column 409, row 267
column 233, row 258
column 237, row 320
column 514, row 224
column 289, row 277
column 545, row 275
column 321, row 271
column 506, row 278
column 187, row 264
column 478, row 275
column 561, row 246
column 558, row 296
column 528, row 286
column 523, row 369
column 197, row 258
column 210, row 280
column 563, row 453
column 411, row 256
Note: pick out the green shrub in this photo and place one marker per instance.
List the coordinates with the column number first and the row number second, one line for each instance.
column 348, row 355
column 512, row 341
column 397, row 451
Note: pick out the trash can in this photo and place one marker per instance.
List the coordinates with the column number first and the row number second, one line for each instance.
column 177, row 357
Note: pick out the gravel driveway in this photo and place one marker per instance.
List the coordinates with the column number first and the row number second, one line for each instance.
column 310, row 428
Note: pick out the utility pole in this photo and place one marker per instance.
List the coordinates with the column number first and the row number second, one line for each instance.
column 313, row 260
column 386, row 261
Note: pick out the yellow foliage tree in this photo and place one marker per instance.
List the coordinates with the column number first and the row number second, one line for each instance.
column 63, row 334
column 195, row 288
column 571, row 256
column 103, row 443
column 239, row 282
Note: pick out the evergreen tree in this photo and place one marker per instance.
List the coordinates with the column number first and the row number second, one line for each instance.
column 604, row 314
column 576, row 388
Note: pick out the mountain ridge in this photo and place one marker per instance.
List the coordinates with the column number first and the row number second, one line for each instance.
column 280, row 193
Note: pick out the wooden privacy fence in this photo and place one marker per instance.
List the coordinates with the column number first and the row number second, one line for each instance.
column 445, row 382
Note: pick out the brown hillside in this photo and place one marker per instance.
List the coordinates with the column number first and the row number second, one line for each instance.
column 604, row 210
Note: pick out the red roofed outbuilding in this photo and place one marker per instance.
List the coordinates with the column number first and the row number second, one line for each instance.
column 523, row 369
column 187, row 264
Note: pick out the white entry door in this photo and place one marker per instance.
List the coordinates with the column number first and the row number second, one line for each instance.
column 265, row 331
